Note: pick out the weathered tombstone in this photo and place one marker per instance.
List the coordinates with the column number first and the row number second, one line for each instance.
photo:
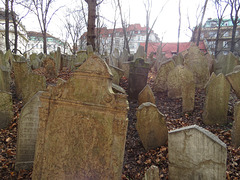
column 196, row 62
column 178, row 59
column 34, row 61
column 138, row 75
column 6, row 109
column 216, row 102
column 140, row 53
column 210, row 61
column 81, row 57
column 4, row 79
column 27, row 133
column 27, row 83
column 50, row 67
column 230, row 62
column 195, row 153
column 114, row 59
column 152, row 173
column 8, row 59
column 151, row 126
column 117, row 74
column 126, row 69
column 234, row 80
column 123, row 58
column 146, row 95
column 82, row 127
column 160, row 83
column 236, row 126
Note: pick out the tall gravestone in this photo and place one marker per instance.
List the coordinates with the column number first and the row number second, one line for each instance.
column 236, row 126
column 82, row 127
column 138, row 75
column 151, row 126
column 27, row 133
column 146, row 95
column 195, row 153
column 6, row 109
column 216, row 102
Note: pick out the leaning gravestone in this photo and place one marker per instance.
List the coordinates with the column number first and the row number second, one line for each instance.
column 82, row 127
column 27, row 133
column 160, row 83
column 138, row 75
column 234, row 79
column 236, row 126
column 216, row 102
column 195, row 153
column 152, row 173
column 27, row 83
column 151, row 126
column 6, row 109
column 196, row 62
column 146, row 95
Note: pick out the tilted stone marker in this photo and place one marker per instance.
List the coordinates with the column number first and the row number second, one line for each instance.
column 82, row 127
column 216, row 102
column 160, row 83
column 27, row 83
column 195, row 153
column 27, row 133
column 151, row 126
column 138, row 75
column 146, row 95
column 6, row 109
column 152, row 173
column 236, row 126
column 234, row 79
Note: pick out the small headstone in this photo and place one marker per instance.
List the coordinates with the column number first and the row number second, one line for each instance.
column 234, row 80
column 216, row 102
column 27, row 133
column 236, row 126
column 82, row 127
column 140, row 53
column 195, row 153
column 138, row 75
column 160, row 83
column 34, row 61
column 6, row 109
column 151, row 126
column 152, row 173
column 146, row 95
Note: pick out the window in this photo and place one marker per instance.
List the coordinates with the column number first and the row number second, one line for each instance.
column 211, row 44
column 225, row 44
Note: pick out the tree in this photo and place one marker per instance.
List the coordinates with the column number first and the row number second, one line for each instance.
column 235, row 7
column 7, row 25
column 41, row 11
column 92, row 4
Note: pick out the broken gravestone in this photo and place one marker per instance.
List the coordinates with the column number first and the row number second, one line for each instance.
column 160, row 83
column 151, row 126
column 195, row 153
column 236, row 126
column 216, row 102
column 146, row 95
column 6, row 109
column 82, row 127
column 27, row 133
column 138, row 75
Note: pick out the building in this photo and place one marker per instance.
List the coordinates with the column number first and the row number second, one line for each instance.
column 209, row 34
column 135, row 33
column 35, row 43
column 22, row 34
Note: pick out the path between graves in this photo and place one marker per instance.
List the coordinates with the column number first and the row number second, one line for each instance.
column 136, row 159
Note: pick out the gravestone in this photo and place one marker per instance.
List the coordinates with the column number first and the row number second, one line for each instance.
column 138, row 75
column 49, row 66
column 117, row 74
column 195, row 153
column 27, row 83
column 8, row 59
column 236, row 126
column 196, row 62
column 6, row 109
column 140, row 53
column 210, row 60
column 5, row 79
column 81, row 57
column 230, row 62
column 178, row 59
column 35, row 62
column 123, row 58
column 152, row 173
column 27, row 133
column 151, row 126
column 160, row 83
column 216, row 102
column 146, row 95
column 82, row 127
column 234, row 80
column 126, row 69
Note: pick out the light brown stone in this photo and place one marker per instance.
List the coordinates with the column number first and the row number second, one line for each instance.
column 234, row 80
column 146, row 95
column 151, row 126
column 50, row 67
column 152, row 173
column 236, row 126
column 6, row 109
column 82, row 127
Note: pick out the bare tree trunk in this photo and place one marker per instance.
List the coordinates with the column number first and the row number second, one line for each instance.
column 15, row 29
column 179, row 27
column 200, row 25
column 7, row 26
column 44, row 41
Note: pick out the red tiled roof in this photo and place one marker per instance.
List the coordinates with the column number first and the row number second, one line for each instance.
column 171, row 48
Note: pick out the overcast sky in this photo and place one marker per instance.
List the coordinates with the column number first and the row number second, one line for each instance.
column 166, row 26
